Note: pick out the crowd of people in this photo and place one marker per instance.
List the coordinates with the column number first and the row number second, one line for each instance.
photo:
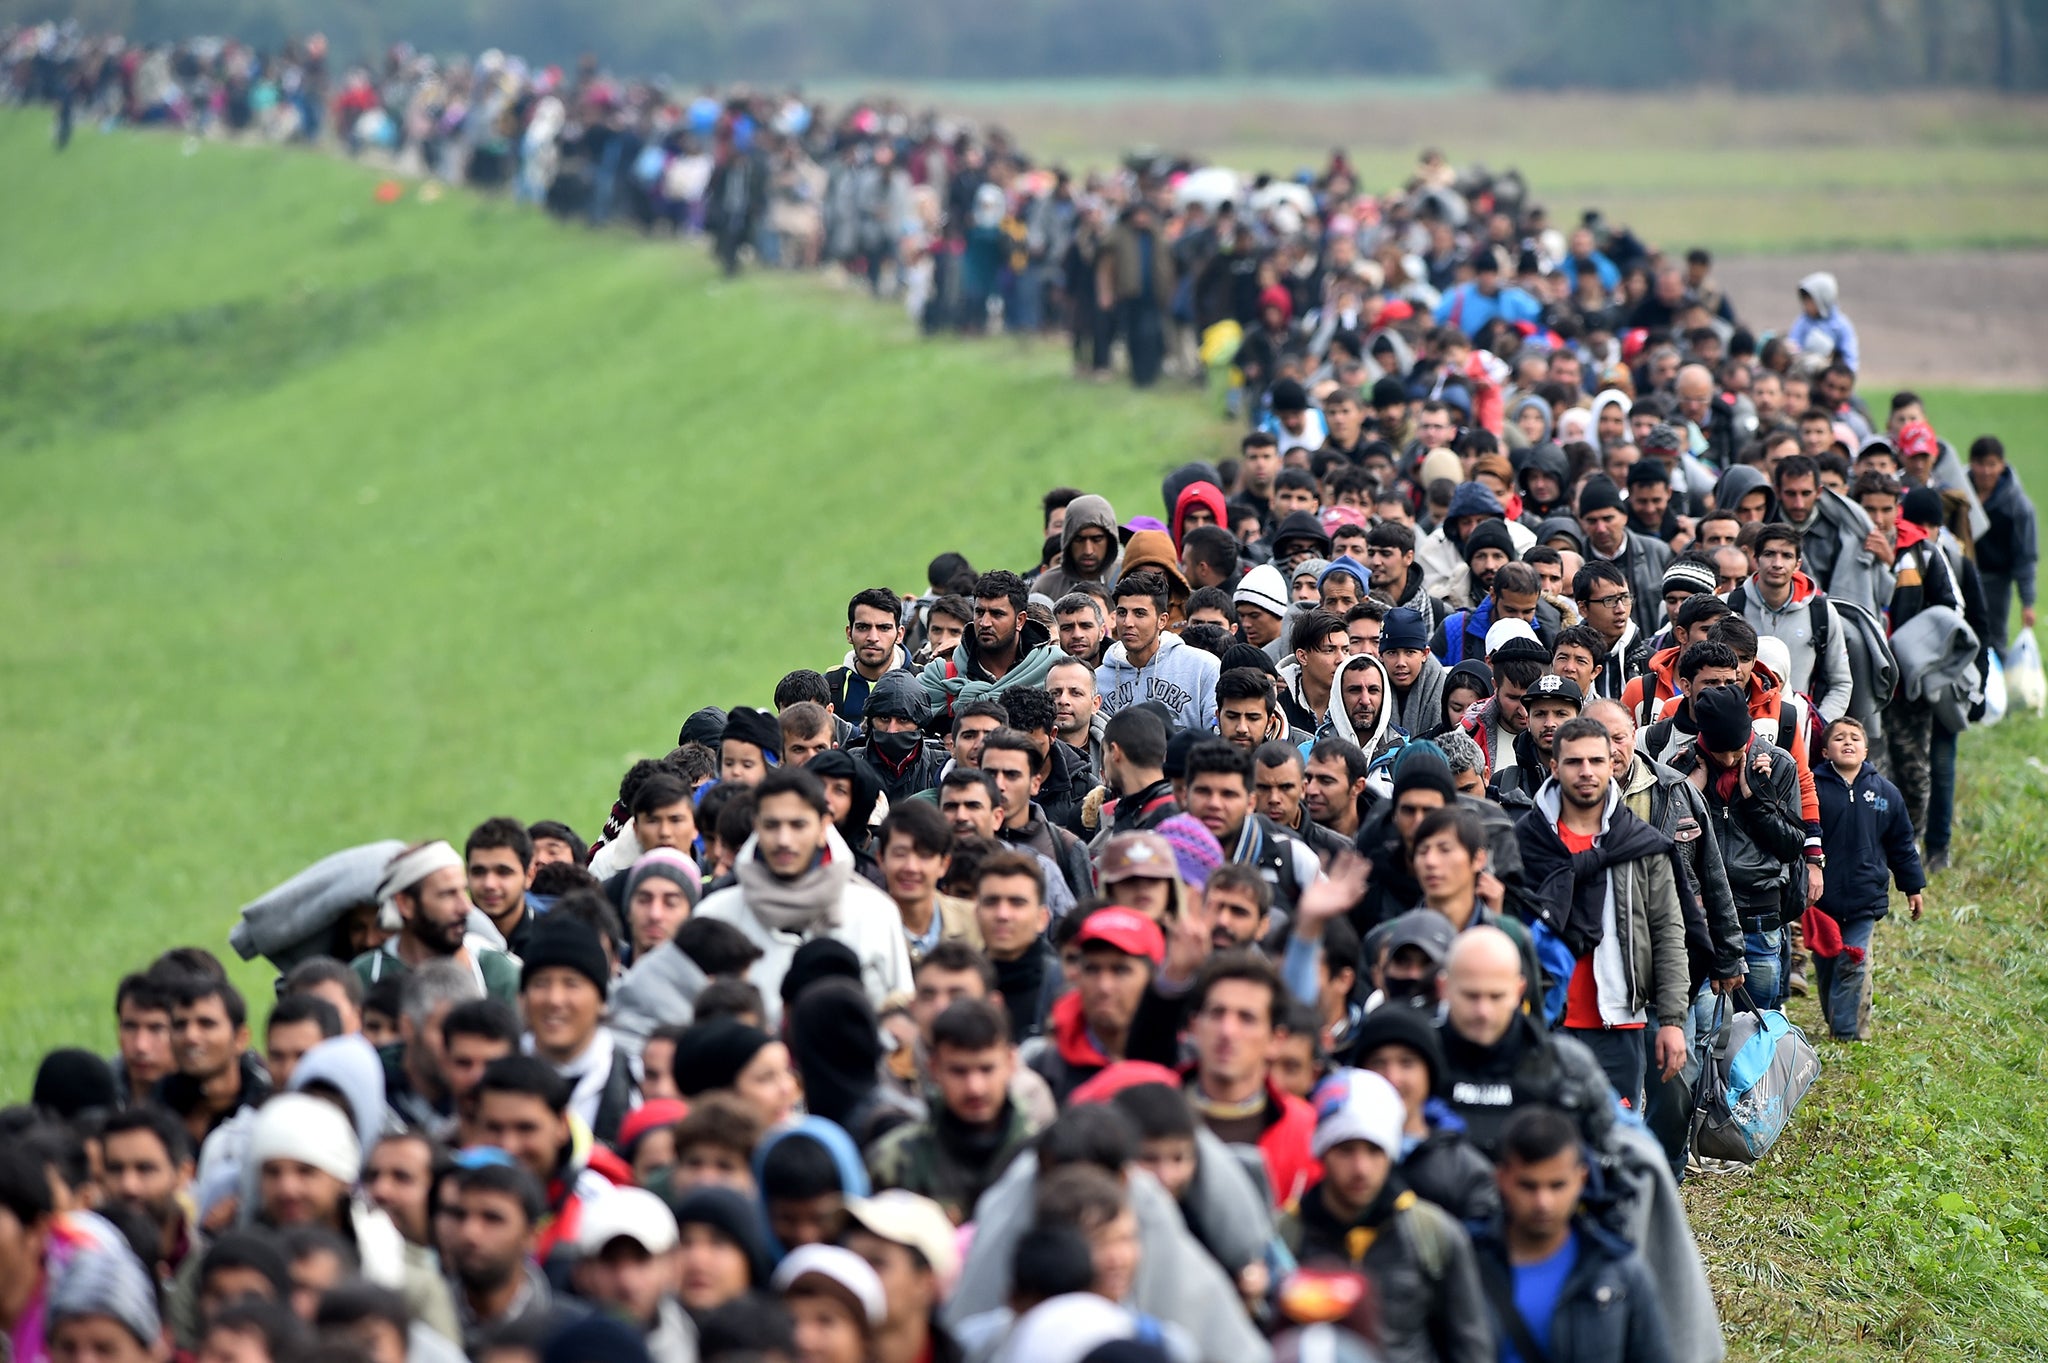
column 1291, row 921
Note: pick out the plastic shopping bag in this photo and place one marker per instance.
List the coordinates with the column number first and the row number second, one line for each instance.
column 1995, row 699
column 2025, row 687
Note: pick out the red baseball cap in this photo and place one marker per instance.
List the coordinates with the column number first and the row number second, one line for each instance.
column 1128, row 931
column 1917, row 437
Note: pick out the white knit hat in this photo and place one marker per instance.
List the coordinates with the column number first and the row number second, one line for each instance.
column 297, row 1126
column 1263, row 587
column 1358, row 1105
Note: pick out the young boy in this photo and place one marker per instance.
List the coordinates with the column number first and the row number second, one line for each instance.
column 1868, row 840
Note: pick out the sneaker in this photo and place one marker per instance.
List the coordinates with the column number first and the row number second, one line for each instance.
column 1795, row 984
column 1935, row 861
column 1717, row 1166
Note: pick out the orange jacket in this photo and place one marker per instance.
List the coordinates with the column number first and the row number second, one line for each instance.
column 1764, row 718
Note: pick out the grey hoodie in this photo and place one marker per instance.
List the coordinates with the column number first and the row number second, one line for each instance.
column 1738, row 482
column 1082, row 512
column 1178, row 1281
column 1180, row 676
column 661, row 989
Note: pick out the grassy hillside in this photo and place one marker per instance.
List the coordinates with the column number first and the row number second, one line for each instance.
column 323, row 520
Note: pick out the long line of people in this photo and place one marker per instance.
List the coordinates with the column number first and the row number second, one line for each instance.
column 1284, row 922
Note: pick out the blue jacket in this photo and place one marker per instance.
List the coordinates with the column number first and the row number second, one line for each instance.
column 1607, row 1311
column 1868, row 838
column 1470, row 310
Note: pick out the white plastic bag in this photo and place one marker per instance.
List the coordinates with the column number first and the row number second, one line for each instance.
column 1994, row 692
column 2025, row 687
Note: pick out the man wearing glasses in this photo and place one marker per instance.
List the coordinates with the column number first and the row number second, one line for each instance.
column 1606, row 605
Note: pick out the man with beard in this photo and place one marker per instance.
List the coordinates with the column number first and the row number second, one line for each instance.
column 1006, row 648
column 1551, row 702
column 1605, row 882
column 1089, row 550
column 874, row 629
column 425, row 885
column 1077, row 709
column 1235, row 1006
column 1359, row 712
column 1278, row 772
column 1390, row 561
column 146, row 1158
column 487, row 1231
column 1083, row 627
column 1333, row 784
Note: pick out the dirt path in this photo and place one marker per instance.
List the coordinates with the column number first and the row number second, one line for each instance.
column 1967, row 319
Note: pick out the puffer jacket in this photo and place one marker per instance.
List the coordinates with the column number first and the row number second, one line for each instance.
column 1761, row 834
column 1445, row 1168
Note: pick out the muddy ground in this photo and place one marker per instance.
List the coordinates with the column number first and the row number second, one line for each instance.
column 1974, row 319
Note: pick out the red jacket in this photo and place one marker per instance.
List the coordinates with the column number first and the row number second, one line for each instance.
column 1286, row 1143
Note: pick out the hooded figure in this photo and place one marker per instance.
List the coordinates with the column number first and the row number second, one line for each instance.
column 1739, row 482
column 1084, row 512
column 1198, row 494
column 836, row 1041
column 1830, row 323
column 1611, row 397
column 904, row 763
column 1301, row 525
column 1153, row 551
column 1338, row 724
column 1178, row 1281
column 1441, row 555
column 1566, row 525
column 832, row 1138
column 1544, row 458
column 1527, row 403
column 827, row 900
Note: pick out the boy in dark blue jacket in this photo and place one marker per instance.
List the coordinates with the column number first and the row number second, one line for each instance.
column 1867, row 837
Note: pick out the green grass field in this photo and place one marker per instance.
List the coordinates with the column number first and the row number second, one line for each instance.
column 323, row 520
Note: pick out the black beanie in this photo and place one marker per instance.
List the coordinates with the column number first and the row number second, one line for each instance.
column 1398, row 1026
column 703, row 727
column 747, row 725
column 1425, row 771
column 1600, row 494
column 734, row 1217
column 1922, row 507
column 71, row 1081
column 1490, row 534
column 569, row 943
column 1245, row 655
column 821, row 958
column 1721, row 717
column 711, row 1055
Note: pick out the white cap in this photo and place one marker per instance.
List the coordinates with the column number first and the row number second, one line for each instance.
column 904, row 1218
column 626, row 1213
column 1358, row 1105
column 1263, row 587
column 1503, row 630
column 842, row 1267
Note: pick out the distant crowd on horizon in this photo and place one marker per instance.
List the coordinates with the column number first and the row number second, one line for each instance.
column 1306, row 918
